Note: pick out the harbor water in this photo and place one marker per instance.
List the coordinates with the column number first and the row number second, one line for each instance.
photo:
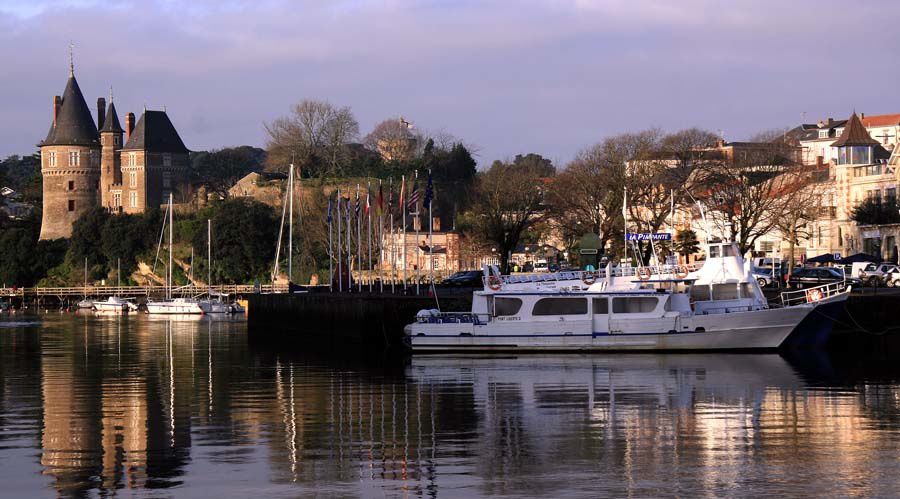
column 136, row 406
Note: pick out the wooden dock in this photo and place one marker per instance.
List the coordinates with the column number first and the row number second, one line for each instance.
column 101, row 292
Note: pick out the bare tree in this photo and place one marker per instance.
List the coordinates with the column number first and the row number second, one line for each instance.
column 801, row 204
column 507, row 202
column 314, row 136
column 745, row 192
column 394, row 139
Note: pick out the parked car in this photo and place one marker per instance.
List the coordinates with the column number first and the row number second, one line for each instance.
column 876, row 273
column 763, row 276
column 808, row 277
column 465, row 278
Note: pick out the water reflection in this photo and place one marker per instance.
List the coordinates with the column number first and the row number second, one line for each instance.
column 94, row 405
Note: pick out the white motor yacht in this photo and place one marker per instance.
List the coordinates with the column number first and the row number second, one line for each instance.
column 175, row 306
column 113, row 304
column 719, row 306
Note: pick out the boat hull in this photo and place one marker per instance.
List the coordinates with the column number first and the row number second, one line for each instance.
column 169, row 308
column 751, row 330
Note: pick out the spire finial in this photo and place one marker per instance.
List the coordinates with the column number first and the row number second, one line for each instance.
column 110, row 94
column 71, row 58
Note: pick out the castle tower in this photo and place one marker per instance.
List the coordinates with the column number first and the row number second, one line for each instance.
column 110, row 165
column 154, row 163
column 70, row 163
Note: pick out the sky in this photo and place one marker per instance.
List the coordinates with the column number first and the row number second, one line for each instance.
column 507, row 77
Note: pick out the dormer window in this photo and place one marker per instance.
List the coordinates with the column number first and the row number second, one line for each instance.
column 823, row 134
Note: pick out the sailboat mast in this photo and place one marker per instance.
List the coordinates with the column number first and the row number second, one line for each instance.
column 209, row 255
column 291, row 224
column 170, row 273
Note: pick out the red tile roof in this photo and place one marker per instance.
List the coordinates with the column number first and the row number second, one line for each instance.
column 881, row 120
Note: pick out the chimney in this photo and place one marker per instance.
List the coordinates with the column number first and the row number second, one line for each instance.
column 129, row 125
column 830, row 121
column 101, row 112
column 57, row 102
column 862, row 116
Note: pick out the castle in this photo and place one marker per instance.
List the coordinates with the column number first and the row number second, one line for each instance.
column 84, row 164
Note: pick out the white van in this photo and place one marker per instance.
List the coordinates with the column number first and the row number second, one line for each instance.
column 541, row 265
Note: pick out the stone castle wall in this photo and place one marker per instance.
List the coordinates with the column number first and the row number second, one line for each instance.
column 69, row 190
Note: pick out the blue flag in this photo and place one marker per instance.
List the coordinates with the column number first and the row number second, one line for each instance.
column 429, row 192
column 329, row 211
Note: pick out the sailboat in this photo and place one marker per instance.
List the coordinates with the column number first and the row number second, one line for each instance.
column 215, row 303
column 172, row 306
column 115, row 303
column 85, row 303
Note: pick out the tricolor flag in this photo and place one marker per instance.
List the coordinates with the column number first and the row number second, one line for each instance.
column 429, row 192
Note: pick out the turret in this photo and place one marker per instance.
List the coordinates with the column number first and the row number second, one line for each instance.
column 111, row 196
column 70, row 163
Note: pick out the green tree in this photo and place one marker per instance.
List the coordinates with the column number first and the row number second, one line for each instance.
column 686, row 243
column 874, row 211
column 220, row 169
column 244, row 236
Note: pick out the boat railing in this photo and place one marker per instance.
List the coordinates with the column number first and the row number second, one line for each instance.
column 590, row 276
column 812, row 295
column 436, row 317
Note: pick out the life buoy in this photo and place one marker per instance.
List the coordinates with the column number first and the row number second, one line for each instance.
column 495, row 283
column 588, row 277
column 643, row 273
column 813, row 295
column 681, row 271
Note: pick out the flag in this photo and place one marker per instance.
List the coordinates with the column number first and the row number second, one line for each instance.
column 413, row 202
column 329, row 211
column 379, row 202
column 357, row 200
column 402, row 191
column 368, row 193
column 429, row 193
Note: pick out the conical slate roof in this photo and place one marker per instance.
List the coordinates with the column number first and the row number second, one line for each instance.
column 855, row 134
column 154, row 132
column 74, row 124
column 111, row 122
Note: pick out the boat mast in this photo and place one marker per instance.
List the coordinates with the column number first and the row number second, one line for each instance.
column 209, row 257
column 291, row 224
column 170, row 273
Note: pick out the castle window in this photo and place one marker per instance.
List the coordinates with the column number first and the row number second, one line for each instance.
column 132, row 159
column 71, row 185
column 51, row 158
column 71, row 205
column 132, row 179
column 117, row 199
column 167, row 179
column 132, row 199
column 167, row 159
column 74, row 158
column 116, row 140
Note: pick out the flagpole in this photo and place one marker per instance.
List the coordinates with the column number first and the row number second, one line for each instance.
column 393, row 243
column 380, row 237
column 369, row 230
column 330, row 249
column 403, row 224
column 429, row 194
column 358, row 243
column 349, row 249
column 339, row 264
column 417, row 226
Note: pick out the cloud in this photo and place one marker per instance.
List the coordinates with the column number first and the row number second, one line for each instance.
column 546, row 76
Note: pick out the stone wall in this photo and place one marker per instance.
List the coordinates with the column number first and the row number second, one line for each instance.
column 69, row 190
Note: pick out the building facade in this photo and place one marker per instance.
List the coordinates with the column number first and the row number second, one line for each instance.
column 125, row 170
